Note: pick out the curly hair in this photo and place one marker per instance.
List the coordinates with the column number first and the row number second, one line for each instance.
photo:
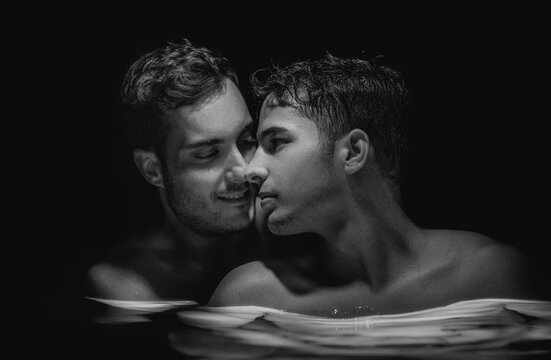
column 340, row 95
column 162, row 80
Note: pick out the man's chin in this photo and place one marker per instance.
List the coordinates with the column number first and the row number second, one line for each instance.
column 226, row 229
column 280, row 225
column 239, row 223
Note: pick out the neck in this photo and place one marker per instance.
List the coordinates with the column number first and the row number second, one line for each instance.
column 371, row 238
column 183, row 241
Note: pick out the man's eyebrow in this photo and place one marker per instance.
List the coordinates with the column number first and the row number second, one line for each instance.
column 198, row 144
column 214, row 141
column 274, row 130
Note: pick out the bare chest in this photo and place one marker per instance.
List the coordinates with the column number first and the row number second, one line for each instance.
column 412, row 292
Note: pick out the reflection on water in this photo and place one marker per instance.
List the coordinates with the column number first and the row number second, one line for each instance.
column 485, row 328
column 129, row 312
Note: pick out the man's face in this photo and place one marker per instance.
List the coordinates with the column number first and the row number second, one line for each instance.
column 298, row 182
column 204, row 145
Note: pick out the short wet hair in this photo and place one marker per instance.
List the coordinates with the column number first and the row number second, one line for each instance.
column 179, row 74
column 341, row 94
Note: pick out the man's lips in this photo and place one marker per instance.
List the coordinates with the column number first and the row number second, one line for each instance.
column 266, row 194
column 237, row 195
column 267, row 200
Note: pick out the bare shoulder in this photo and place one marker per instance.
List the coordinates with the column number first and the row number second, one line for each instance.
column 480, row 252
column 249, row 284
column 503, row 271
column 123, row 271
column 486, row 267
column 107, row 281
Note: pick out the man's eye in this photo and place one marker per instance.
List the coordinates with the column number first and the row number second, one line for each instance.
column 277, row 143
column 206, row 154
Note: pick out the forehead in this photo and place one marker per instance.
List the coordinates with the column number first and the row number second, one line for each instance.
column 284, row 117
column 220, row 117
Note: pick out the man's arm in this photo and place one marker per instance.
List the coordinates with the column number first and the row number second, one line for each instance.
column 107, row 281
column 249, row 284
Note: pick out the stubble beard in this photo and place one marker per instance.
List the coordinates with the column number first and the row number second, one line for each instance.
column 193, row 212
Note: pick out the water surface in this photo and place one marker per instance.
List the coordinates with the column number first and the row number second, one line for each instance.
column 475, row 329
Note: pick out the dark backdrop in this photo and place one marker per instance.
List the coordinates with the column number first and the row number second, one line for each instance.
column 478, row 152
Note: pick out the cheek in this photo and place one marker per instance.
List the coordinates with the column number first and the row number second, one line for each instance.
column 302, row 172
column 198, row 181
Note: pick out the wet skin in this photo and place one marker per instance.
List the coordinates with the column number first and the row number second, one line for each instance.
column 366, row 255
column 208, row 229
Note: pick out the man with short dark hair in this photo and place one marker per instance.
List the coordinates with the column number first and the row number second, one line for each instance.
column 328, row 164
column 192, row 135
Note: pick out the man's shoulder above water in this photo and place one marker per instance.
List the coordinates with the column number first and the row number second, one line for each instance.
column 253, row 283
column 124, row 273
column 466, row 264
column 157, row 266
column 450, row 266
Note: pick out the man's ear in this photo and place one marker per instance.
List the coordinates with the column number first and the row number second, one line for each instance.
column 354, row 150
column 149, row 166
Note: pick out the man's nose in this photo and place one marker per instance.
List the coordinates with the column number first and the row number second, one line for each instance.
column 236, row 168
column 255, row 172
column 236, row 174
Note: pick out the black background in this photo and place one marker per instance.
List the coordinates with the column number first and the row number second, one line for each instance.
column 478, row 123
